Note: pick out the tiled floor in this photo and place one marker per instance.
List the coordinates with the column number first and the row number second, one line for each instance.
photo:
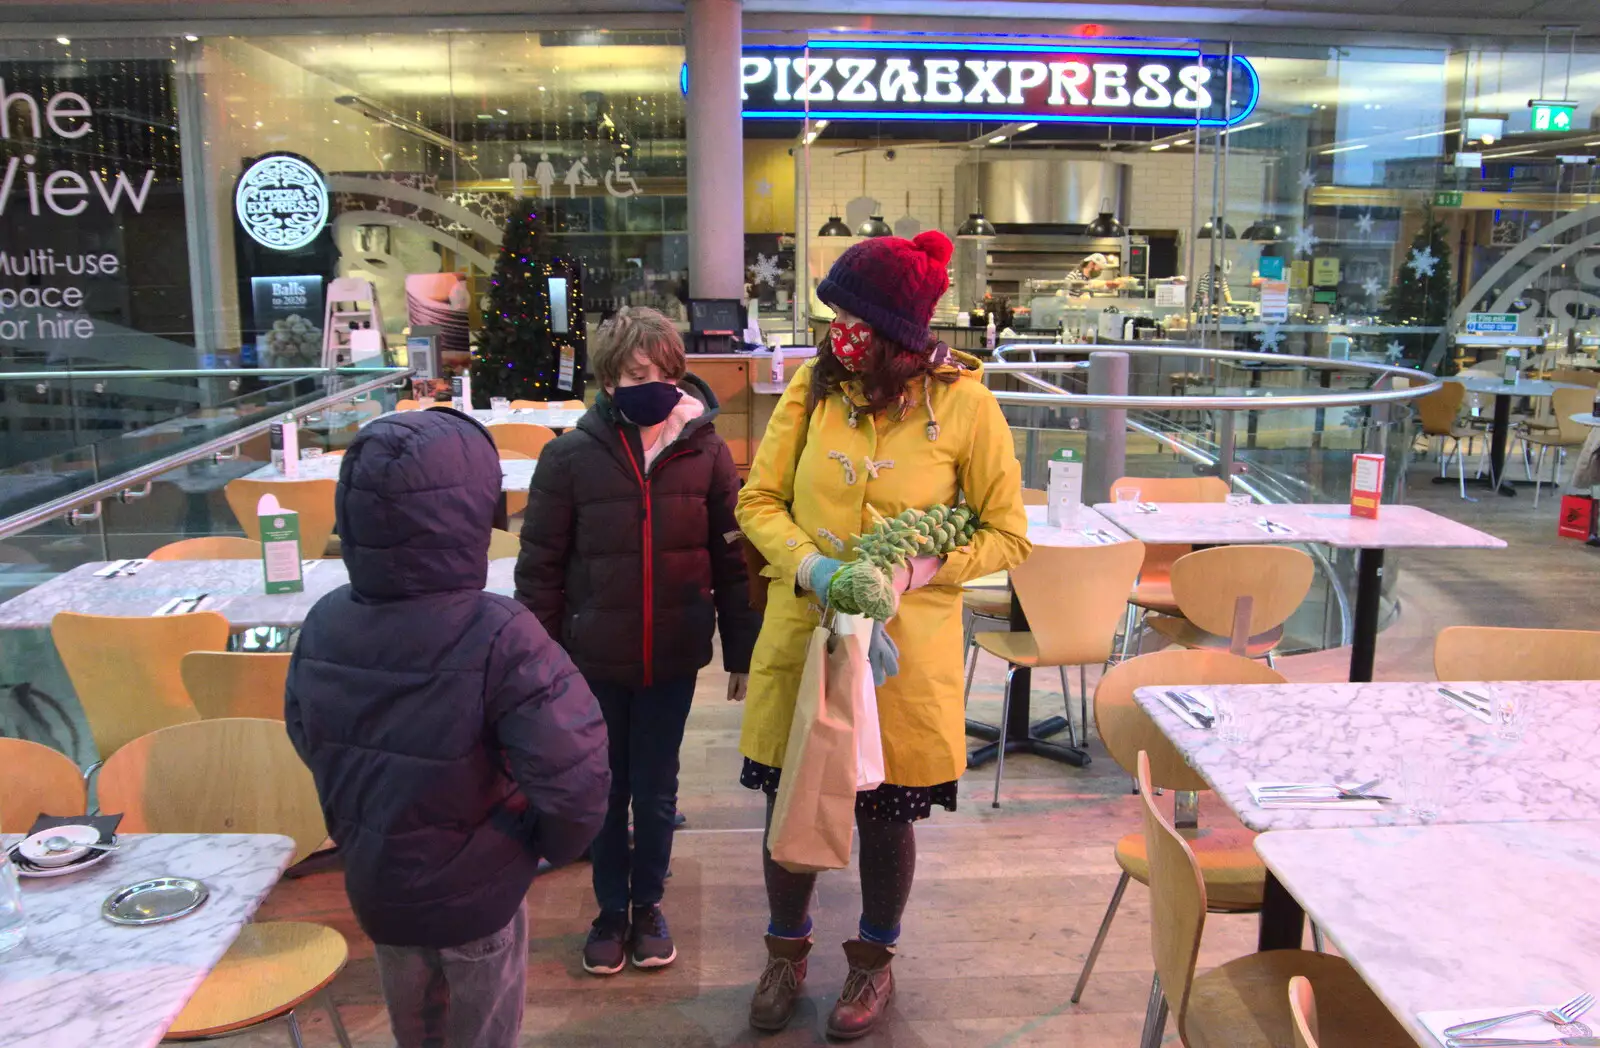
column 1006, row 901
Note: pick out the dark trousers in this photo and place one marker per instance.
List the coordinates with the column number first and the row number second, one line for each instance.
column 646, row 729
column 467, row 996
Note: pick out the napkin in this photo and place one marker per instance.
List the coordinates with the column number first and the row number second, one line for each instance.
column 1272, row 527
column 1098, row 537
column 1532, row 1028
column 1147, row 507
column 1311, row 800
column 1184, row 715
column 106, row 824
column 1467, row 708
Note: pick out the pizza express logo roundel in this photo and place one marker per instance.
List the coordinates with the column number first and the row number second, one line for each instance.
column 282, row 201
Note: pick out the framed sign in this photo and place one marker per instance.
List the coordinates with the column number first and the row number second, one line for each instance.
column 841, row 79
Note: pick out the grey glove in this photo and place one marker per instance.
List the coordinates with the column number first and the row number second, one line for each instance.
column 883, row 655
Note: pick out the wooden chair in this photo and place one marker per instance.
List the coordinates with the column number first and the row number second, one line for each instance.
column 504, row 544
column 1500, row 653
column 1233, row 874
column 1073, row 597
column 529, row 405
column 312, row 499
column 1245, row 1002
column 526, row 437
column 36, row 780
column 1438, row 413
column 236, row 684
column 516, row 501
column 571, row 405
column 1303, row 1007
column 1236, row 598
column 1154, row 590
column 407, row 404
column 209, row 547
column 126, row 669
column 1035, row 497
column 1577, row 377
column 1564, row 435
column 236, row 775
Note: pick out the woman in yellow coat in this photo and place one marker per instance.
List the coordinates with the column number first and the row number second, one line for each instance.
column 896, row 421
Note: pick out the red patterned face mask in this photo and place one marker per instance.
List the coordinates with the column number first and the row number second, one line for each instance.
column 850, row 343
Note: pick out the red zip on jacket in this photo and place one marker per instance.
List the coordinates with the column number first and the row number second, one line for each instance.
column 649, row 555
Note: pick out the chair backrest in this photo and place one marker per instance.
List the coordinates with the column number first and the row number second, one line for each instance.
column 235, row 775
column 1438, row 410
column 526, row 437
column 236, row 683
column 573, row 405
column 503, row 544
column 1075, row 597
column 209, row 547
column 1035, row 497
column 1177, row 900
column 1208, row 583
column 528, row 405
column 407, row 404
column 1577, row 376
column 1126, row 729
column 312, row 499
column 126, row 669
column 36, row 780
column 1500, row 653
column 1303, row 1007
column 1569, row 402
column 1160, row 556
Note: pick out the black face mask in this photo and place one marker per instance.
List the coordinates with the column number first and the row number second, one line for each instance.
column 647, row 404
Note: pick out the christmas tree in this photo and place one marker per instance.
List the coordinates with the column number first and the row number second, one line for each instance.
column 1423, row 292
column 532, row 345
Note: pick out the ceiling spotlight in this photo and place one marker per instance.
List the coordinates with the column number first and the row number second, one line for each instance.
column 63, row 40
column 191, row 38
column 503, row 112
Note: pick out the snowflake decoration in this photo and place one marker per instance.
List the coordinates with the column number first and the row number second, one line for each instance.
column 1364, row 224
column 765, row 270
column 1394, row 352
column 1355, row 418
column 1308, row 179
column 1270, row 338
column 763, row 188
column 1372, row 285
column 1305, row 240
column 1422, row 261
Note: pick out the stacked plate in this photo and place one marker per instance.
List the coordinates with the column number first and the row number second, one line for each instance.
column 58, row 851
column 428, row 301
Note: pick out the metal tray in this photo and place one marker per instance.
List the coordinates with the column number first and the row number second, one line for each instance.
column 155, row 901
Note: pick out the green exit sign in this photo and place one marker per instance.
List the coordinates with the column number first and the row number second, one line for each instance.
column 1552, row 115
column 1447, row 198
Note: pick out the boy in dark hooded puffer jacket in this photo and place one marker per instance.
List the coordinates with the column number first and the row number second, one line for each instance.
column 452, row 741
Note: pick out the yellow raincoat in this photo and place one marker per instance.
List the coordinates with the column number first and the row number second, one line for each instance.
column 789, row 510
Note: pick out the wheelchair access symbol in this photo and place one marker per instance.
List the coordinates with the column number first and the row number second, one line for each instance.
column 618, row 177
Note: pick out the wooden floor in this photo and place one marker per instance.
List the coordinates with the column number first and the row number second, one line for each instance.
column 1006, row 901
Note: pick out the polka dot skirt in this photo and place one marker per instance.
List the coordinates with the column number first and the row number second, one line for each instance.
column 887, row 803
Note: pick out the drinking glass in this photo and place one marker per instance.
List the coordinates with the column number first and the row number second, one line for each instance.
column 499, row 407
column 13, row 923
column 1232, row 721
column 1126, row 496
column 1423, row 778
column 1510, row 712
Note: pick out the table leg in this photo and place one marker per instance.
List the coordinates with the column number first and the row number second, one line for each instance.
column 1283, row 922
column 1369, row 587
column 1021, row 736
column 1497, row 445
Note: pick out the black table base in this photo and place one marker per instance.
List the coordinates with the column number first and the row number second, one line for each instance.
column 1496, row 480
column 1369, row 588
column 1283, row 922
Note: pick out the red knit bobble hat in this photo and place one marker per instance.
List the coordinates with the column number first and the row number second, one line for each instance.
column 892, row 283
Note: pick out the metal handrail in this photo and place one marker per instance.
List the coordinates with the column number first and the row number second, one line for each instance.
column 134, row 478
column 35, row 376
column 1267, row 401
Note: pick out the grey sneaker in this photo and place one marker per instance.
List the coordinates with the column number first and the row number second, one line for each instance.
column 650, row 942
column 606, row 951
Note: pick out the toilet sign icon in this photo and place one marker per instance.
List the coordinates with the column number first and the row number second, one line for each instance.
column 620, row 176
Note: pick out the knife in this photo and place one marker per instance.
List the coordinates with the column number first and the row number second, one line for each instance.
column 1485, row 1042
column 1193, row 708
column 111, row 569
column 1458, row 697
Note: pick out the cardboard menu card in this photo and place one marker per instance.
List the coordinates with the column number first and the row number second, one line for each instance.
column 461, row 393
column 1366, row 485
column 280, row 546
column 284, row 441
column 1065, row 493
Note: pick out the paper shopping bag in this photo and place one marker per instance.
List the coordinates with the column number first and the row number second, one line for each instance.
column 813, row 817
column 1575, row 516
column 848, row 668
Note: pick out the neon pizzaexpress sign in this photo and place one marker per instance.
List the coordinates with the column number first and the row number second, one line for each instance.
column 842, row 80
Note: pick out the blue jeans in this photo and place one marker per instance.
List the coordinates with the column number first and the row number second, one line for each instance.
column 646, row 730
column 467, row 996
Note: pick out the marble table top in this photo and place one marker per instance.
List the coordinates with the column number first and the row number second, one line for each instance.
column 234, row 589
column 77, row 979
column 1452, row 917
column 557, row 419
column 1357, row 732
column 1584, row 418
column 1524, row 387
column 1082, row 529
column 1217, row 523
column 515, row 474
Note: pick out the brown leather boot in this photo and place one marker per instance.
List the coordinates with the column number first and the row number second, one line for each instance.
column 778, row 990
column 866, row 992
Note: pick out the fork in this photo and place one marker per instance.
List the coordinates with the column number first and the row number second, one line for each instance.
column 1569, row 1012
column 1352, row 793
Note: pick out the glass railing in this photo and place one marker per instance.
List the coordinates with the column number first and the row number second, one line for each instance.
column 1281, row 428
